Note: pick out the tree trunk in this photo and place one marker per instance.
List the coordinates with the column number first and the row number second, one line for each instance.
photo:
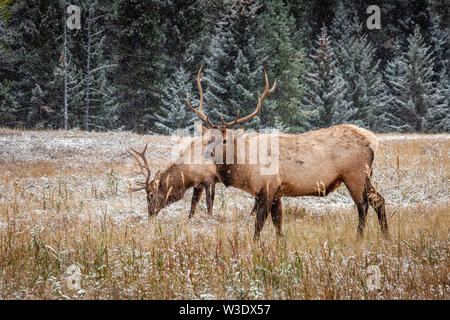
column 66, row 111
column 88, row 73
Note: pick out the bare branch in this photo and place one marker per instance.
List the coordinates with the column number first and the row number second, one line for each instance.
column 102, row 67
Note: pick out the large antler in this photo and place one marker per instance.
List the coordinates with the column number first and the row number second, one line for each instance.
column 200, row 112
column 238, row 120
column 258, row 106
column 142, row 165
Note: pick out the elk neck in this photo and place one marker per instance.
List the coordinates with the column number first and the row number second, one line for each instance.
column 178, row 178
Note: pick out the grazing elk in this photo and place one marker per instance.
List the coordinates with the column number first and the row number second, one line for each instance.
column 310, row 164
column 170, row 185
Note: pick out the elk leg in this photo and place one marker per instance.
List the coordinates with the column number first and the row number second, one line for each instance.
column 356, row 186
column 255, row 207
column 210, row 189
column 197, row 193
column 276, row 213
column 377, row 202
column 261, row 214
column 362, row 207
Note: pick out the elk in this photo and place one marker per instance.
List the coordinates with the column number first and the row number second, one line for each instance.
column 170, row 185
column 310, row 164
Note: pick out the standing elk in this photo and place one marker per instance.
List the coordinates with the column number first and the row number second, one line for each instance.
column 310, row 164
column 170, row 185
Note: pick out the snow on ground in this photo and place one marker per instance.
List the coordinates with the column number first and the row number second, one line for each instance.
column 413, row 137
column 74, row 145
column 76, row 149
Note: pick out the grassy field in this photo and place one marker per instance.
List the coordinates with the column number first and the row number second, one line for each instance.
column 65, row 201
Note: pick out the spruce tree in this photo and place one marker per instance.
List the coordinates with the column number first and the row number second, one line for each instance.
column 66, row 84
column 5, row 11
column 325, row 96
column 136, row 33
column 411, row 85
column 233, row 73
column 8, row 103
column 439, row 38
column 100, row 104
column 356, row 59
column 31, row 58
column 9, row 107
column 283, row 62
column 438, row 116
column 186, row 33
column 174, row 112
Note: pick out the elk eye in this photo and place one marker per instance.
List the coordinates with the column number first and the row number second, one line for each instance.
column 152, row 195
column 225, row 141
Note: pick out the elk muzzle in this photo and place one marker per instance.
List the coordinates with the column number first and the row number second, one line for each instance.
column 152, row 209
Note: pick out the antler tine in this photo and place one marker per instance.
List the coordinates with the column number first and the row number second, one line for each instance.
column 258, row 106
column 201, row 115
column 200, row 90
column 135, row 158
column 232, row 123
column 143, row 165
column 200, row 112
column 137, row 189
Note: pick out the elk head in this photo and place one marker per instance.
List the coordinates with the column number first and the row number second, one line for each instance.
column 157, row 198
column 209, row 130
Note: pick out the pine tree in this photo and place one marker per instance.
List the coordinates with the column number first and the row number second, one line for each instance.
column 324, row 98
column 100, row 104
column 139, row 50
column 438, row 116
column 283, row 62
column 186, row 34
column 233, row 71
column 355, row 56
column 439, row 38
column 412, row 89
column 8, row 107
column 174, row 113
column 8, row 104
column 32, row 57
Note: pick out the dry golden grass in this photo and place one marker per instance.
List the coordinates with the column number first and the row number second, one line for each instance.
column 69, row 204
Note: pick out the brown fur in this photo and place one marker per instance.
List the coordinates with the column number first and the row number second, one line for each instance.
column 171, row 185
column 311, row 164
column 179, row 178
